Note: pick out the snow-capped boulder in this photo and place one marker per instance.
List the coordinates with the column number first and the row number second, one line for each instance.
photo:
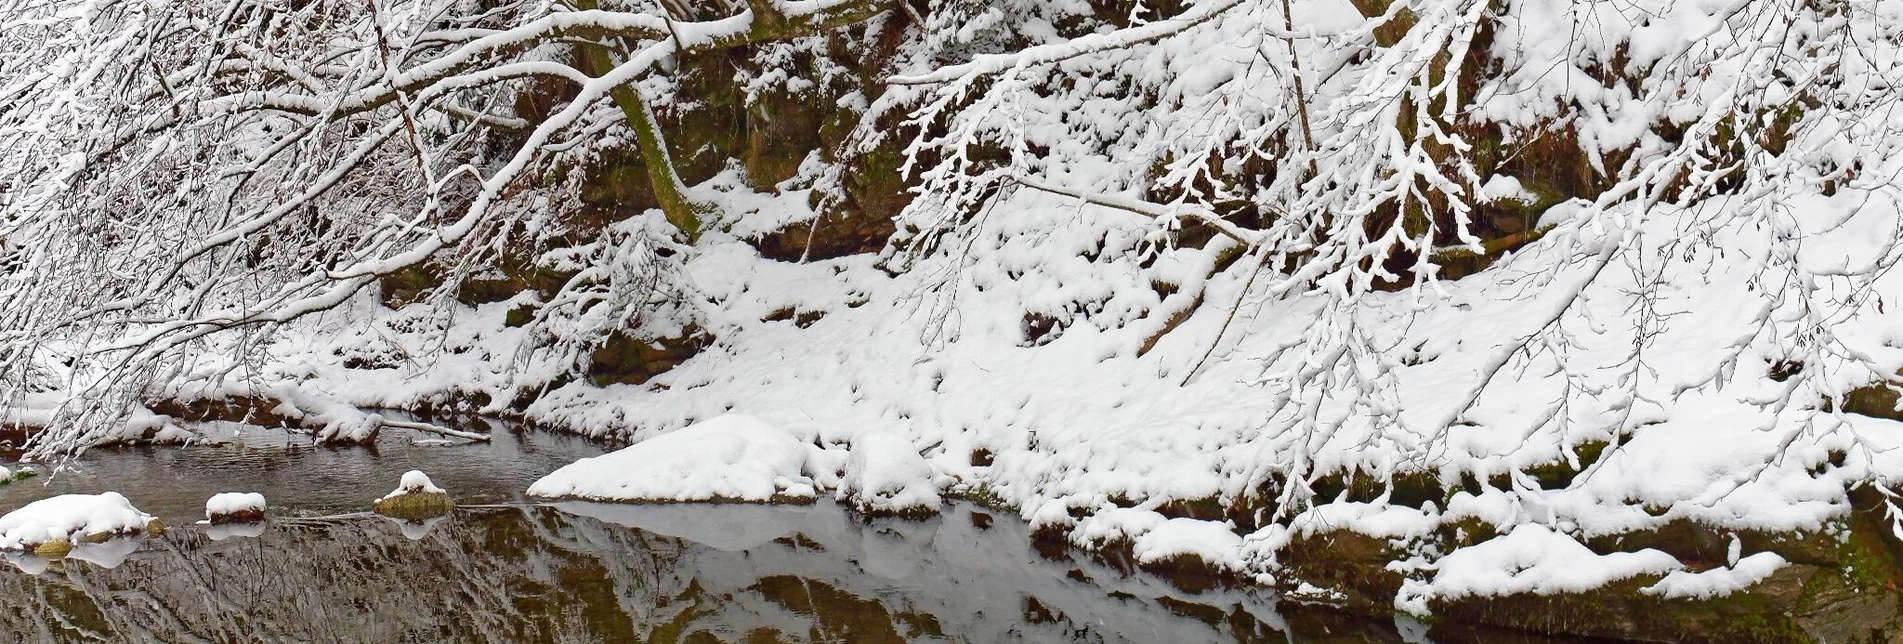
column 415, row 497
column 50, row 527
column 886, row 476
column 234, row 507
column 728, row 458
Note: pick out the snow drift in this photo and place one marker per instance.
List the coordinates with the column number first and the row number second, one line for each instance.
column 727, row 458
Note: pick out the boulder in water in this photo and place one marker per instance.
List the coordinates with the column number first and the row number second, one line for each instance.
column 415, row 498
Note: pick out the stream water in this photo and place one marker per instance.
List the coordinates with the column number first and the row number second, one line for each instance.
column 500, row 569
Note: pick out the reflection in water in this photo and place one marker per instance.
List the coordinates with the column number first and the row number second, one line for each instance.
column 577, row 572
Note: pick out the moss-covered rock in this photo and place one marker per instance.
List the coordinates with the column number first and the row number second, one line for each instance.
column 415, row 506
column 627, row 360
column 1621, row 612
column 1840, row 586
column 782, row 130
column 1879, row 400
column 409, row 284
column 18, row 474
column 1352, row 564
column 54, row 548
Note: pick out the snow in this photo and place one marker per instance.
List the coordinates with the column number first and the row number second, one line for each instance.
column 1077, row 335
column 1214, row 542
column 886, row 475
column 1501, row 187
column 1717, row 582
column 225, row 503
column 1530, row 559
column 1154, row 538
column 1113, row 525
column 413, row 482
column 70, row 517
column 731, row 457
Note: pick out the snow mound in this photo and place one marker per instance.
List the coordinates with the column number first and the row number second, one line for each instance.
column 71, row 517
column 1531, row 559
column 231, row 504
column 413, row 482
column 1502, row 187
column 1155, row 539
column 728, row 458
column 1211, row 541
column 1114, row 525
column 1717, row 582
column 885, row 475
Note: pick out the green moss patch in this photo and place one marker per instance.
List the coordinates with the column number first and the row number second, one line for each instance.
column 415, row 506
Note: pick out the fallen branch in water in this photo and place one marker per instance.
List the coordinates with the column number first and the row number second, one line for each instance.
column 426, row 427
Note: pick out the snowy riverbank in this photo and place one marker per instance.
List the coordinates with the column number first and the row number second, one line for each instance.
column 1095, row 440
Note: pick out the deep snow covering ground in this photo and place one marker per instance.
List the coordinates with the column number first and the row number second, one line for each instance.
column 1081, row 424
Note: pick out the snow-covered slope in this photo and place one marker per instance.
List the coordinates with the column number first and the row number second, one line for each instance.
column 1181, row 282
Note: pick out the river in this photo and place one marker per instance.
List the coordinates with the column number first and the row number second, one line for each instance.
column 503, row 569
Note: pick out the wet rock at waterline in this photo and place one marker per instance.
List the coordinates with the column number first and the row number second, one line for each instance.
column 414, row 499
column 234, row 507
